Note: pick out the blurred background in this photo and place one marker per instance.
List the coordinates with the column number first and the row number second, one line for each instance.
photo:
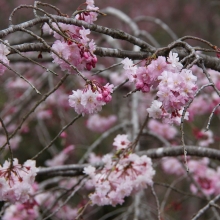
column 200, row 18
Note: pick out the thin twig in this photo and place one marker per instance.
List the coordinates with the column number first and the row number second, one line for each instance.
column 157, row 201
column 8, row 142
column 100, row 139
column 22, row 77
column 58, row 135
column 77, row 187
column 205, row 208
column 34, row 107
column 210, row 117
column 110, row 67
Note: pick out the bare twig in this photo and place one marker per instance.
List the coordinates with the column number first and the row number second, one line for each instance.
column 100, row 139
column 205, row 208
column 157, row 202
column 58, row 135
column 211, row 115
column 34, row 107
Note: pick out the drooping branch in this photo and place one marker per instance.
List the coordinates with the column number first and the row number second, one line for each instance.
column 209, row 61
column 178, row 151
column 117, row 34
column 152, row 153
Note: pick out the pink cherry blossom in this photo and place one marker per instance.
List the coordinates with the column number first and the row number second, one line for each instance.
column 172, row 166
column 205, row 137
column 100, row 124
column 155, row 109
column 94, row 159
column 130, row 69
column 156, row 67
column 173, row 59
column 121, row 141
column 206, row 180
column 20, row 211
column 165, row 130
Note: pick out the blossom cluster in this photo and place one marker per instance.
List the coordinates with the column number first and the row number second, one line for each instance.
column 30, row 210
column 207, row 99
column 120, row 177
column 100, row 124
column 91, row 99
column 90, row 16
column 175, row 85
column 21, row 211
column 16, row 180
column 207, row 178
column 165, row 130
column 73, row 45
column 205, row 138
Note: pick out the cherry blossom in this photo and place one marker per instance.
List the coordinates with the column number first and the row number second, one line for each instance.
column 130, row 69
column 165, row 130
column 155, row 110
column 121, row 141
column 100, row 124
column 89, row 17
column 173, row 59
column 205, row 137
column 21, row 211
column 172, row 166
column 94, row 159
column 207, row 178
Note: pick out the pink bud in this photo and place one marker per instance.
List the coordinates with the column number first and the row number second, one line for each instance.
column 100, row 97
column 63, row 134
column 88, row 66
column 86, row 55
column 94, row 59
column 108, row 98
column 105, row 93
